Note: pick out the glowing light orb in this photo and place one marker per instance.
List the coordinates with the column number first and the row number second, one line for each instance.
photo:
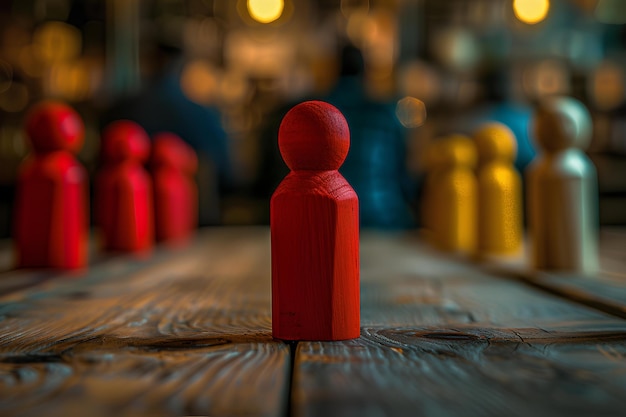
column 531, row 11
column 265, row 11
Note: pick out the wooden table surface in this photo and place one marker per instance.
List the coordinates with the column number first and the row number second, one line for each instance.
column 188, row 332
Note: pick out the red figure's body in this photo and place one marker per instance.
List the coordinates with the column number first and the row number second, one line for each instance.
column 315, row 230
column 51, row 206
column 124, row 189
column 174, row 164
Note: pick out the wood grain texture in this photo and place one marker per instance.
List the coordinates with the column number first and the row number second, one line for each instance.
column 606, row 291
column 441, row 337
column 15, row 279
column 190, row 335
column 463, row 371
column 188, row 332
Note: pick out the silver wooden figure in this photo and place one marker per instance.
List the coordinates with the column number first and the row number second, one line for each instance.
column 562, row 190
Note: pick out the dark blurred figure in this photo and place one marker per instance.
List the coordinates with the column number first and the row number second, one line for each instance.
column 162, row 106
column 500, row 107
column 376, row 162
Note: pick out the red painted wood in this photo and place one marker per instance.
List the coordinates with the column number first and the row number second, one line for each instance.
column 315, row 230
column 124, row 198
column 173, row 166
column 51, row 209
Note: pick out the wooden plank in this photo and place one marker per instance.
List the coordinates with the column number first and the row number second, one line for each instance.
column 14, row 279
column 187, row 336
column 606, row 291
column 463, row 371
column 441, row 337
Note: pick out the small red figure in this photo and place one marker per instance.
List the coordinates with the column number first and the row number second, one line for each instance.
column 124, row 190
column 51, row 205
column 174, row 163
column 314, row 218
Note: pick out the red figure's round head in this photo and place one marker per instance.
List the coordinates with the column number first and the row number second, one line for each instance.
column 54, row 126
column 168, row 149
column 125, row 140
column 314, row 135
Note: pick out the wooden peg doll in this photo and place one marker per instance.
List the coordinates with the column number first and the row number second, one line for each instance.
column 499, row 191
column 51, row 209
column 454, row 194
column 314, row 215
column 173, row 165
column 124, row 203
column 562, row 191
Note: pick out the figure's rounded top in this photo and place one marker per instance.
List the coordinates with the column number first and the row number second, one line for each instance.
column 125, row 140
column 560, row 123
column 168, row 149
column 314, row 135
column 54, row 126
column 495, row 141
column 456, row 150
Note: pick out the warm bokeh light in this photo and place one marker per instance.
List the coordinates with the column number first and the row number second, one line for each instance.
column 233, row 88
column 70, row 80
column 456, row 48
column 265, row 11
column 545, row 78
column 199, row 81
column 268, row 56
column 411, row 112
column 606, row 86
column 421, row 80
column 531, row 11
column 57, row 42
column 30, row 62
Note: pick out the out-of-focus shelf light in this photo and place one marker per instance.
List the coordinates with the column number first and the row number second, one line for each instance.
column 57, row 42
column 265, row 11
column 411, row 112
column 606, row 86
column 531, row 11
column 200, row 81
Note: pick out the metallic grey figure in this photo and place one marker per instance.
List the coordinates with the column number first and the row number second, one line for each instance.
column 562, row 190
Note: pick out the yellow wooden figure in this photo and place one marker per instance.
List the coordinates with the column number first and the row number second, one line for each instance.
column 499, row 191
column 453, row 206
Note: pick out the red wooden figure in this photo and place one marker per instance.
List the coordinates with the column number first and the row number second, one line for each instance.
column 173, row 164
column 51, row 205
column 315, row 230
column 124, row 207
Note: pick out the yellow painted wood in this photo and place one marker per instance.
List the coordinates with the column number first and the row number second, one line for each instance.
column 453, row 194
column 499, row 192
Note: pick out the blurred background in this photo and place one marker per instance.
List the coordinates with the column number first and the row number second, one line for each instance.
column 221, row 73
